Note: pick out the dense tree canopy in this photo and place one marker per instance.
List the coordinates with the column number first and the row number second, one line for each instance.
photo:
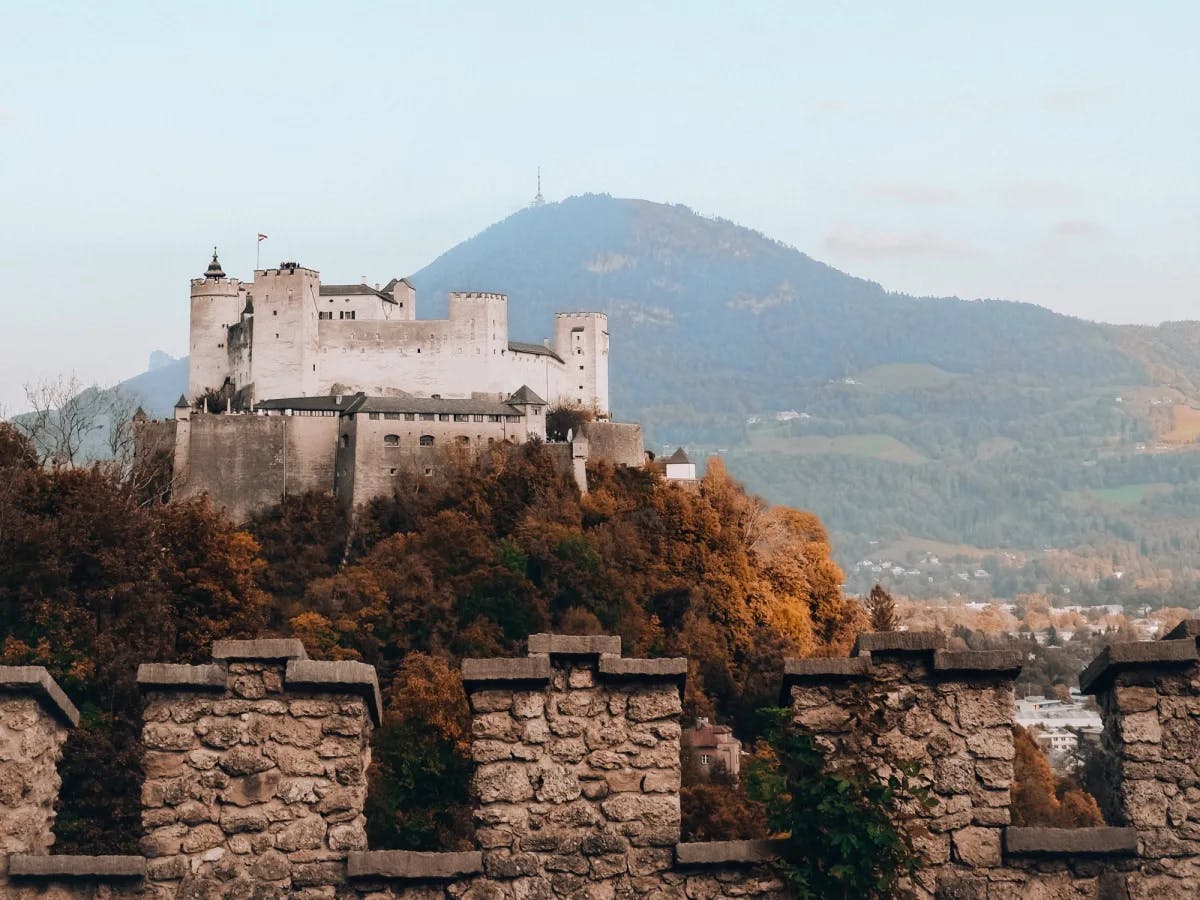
column 95, row 578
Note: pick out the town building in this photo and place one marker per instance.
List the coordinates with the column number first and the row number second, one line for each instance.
column 713, row 748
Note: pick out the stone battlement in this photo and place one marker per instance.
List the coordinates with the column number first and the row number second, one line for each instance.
column 255, row 777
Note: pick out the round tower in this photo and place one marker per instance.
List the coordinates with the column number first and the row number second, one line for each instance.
column 216, row 305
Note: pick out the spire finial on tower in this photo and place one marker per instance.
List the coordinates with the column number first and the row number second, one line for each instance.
column 538, row 199
column 214, row 268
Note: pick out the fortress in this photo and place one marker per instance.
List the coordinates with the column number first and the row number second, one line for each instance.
column 256, row 777
column 287, row 335
column 295, row 385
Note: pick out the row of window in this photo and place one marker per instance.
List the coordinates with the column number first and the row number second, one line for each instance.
column 326, row 315
column 427, row 440
column 443, row 417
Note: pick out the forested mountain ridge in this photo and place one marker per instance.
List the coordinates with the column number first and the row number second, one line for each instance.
column 1013, row 437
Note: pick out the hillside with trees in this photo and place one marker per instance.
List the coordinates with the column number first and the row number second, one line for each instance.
column 98, row 573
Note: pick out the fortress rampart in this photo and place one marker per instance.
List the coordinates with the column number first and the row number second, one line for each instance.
column 255, row 777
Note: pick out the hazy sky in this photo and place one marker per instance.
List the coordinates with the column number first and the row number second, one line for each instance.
column 1035, row 151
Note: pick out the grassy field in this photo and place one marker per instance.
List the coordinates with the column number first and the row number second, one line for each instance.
column 1185, row 425
column 873, row 446
column 897, row 377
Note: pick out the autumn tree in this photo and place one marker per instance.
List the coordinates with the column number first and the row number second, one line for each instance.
column 92, row 583
column 418, row 797
column 882, row 609
column 1041, row 798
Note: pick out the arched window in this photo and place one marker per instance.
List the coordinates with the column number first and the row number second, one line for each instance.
column 392, row 440
column 427, row 440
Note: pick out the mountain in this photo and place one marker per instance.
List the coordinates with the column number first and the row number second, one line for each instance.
column 1046, row 451
column 1049, row 452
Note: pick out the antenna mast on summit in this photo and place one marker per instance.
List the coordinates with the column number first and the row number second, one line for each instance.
column 538, row 199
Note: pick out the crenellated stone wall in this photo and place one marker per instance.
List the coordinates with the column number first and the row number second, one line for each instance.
column 255, row 778
column 34, row 717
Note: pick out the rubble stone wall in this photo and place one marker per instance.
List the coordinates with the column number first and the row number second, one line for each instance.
column 255, row 778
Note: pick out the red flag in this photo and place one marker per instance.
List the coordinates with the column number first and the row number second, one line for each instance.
column 262, row 237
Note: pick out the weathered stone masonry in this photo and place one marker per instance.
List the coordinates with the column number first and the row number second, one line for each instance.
column 255, row 777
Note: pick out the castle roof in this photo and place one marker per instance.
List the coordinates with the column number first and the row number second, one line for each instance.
column 181, row 403
column 707, row 737
column 350, row 404
column 536, row 349
column 214, row 269
column 349, row 290
column 390, row 287
column 678, row 458
column 341, row 403
column 439, row 405
column 523, row 395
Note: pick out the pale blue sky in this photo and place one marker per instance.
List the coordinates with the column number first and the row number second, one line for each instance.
column 1033, row 151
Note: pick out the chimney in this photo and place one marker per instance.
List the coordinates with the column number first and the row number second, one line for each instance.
column 364, row 279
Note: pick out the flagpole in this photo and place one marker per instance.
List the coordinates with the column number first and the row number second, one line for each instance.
column 257, row 253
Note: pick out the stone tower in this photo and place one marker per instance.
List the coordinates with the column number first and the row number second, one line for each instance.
column 581, row 339
column 284, row 361
column 217, row 303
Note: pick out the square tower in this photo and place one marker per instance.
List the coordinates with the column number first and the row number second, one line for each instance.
column 284, row 358
column 581, row 339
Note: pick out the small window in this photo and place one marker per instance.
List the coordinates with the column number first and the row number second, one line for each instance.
column 477, row 418
column 325, row 314
column 391, row 471
column 428, row 471
column 704, row 759
column 495, row 418
column 581, row 368
column 391, row 415
column 459, row 417
column 428, row 417
column 464, row 439
column 345, row 440
column 410, row 417
column 427, row 440
column 443, row 417
column 392, row 440
column 372, row 415
column 274, row 312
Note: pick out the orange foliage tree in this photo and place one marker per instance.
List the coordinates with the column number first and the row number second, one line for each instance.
column 1039, row 797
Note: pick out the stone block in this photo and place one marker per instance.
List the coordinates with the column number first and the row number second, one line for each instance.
column 977, row 846
column 342, row 676
column 619, row 667
column 180, row 677
column 36, row 680
column 887, row 642
column 94, row 868
column 268, row 649
column 723, row 853
column 1135, row 654
column 478, row 674
column 574, row 645
column 978, row 662
column 1098, row 841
